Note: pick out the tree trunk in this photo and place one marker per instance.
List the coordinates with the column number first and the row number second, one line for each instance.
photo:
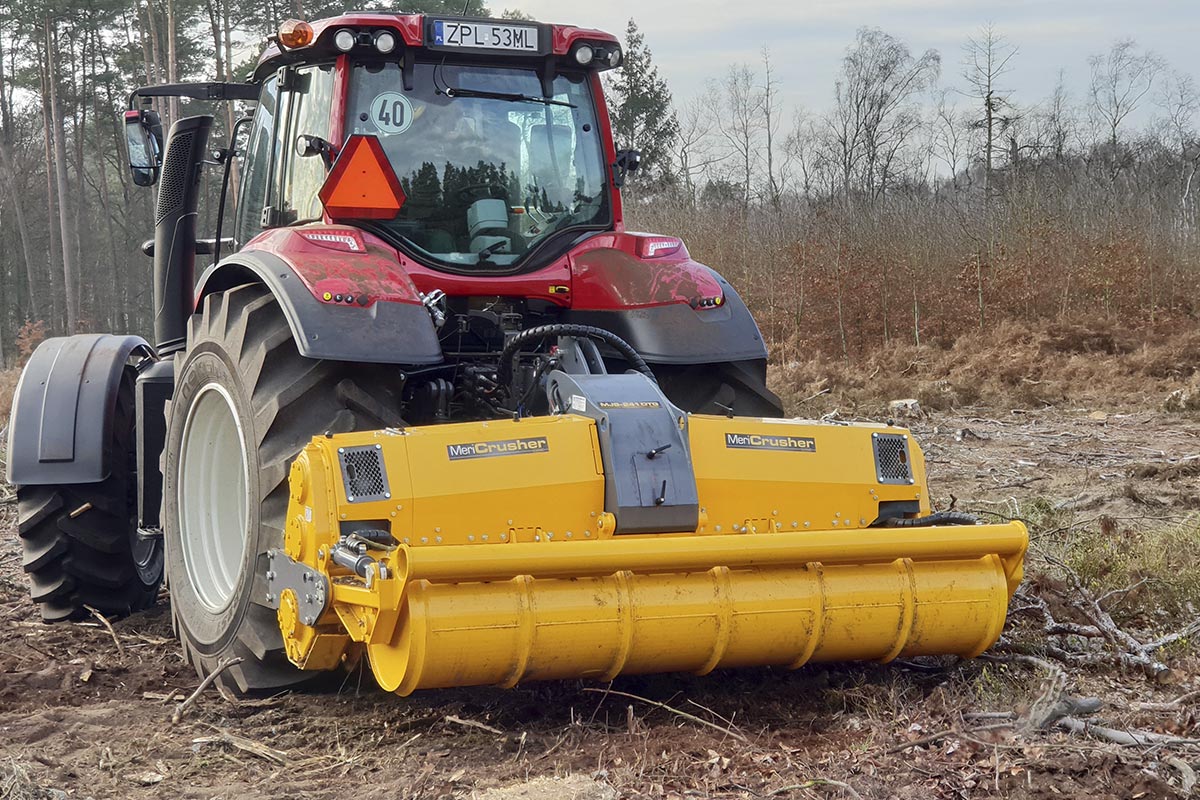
column 53, row 265
column 172, row 67
column 10, row 184
column 56, row 123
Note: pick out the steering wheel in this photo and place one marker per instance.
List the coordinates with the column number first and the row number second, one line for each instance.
column 483, row 191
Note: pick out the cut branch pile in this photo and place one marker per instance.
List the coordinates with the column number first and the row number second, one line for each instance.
column 1096, row 641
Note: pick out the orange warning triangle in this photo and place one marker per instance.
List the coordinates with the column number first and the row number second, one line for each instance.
column 362, row 183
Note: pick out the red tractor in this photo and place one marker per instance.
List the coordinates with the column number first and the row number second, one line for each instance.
column 429, row 230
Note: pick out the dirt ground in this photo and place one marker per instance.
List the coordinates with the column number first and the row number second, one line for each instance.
column 82, row 717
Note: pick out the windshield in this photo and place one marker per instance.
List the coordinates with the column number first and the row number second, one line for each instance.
column 487, row 178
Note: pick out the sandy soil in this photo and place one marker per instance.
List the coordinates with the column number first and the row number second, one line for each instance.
column 81, row 718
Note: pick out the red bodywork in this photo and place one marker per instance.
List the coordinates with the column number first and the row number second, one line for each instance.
column 608, row 271
column 605, row 272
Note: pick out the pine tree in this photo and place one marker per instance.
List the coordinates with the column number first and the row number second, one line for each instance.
column 641, row 111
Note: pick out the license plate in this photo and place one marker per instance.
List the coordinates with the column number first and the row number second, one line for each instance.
column 484, row 36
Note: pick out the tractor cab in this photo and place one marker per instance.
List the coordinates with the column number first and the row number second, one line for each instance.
column 494, row 131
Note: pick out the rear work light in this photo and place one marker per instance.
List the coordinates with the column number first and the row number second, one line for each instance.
column 344, row 40
column 385, row 42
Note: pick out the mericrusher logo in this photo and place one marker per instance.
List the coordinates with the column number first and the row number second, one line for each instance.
column 505, row 447
column 760, row 441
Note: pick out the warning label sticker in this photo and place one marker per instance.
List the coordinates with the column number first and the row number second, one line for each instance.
column 505, row 447
column 761, row 441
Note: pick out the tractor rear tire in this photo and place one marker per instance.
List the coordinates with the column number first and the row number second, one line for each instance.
column 79, row 542
column 245, row 404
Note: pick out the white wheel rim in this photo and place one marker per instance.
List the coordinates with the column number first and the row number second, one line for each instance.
column 212, row 496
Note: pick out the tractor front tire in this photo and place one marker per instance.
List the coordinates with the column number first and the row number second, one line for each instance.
column 245, row 404
column 80, row 545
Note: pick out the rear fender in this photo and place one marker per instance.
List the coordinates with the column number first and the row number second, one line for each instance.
column 62, row 413
column 672, row 309
column 390, row 329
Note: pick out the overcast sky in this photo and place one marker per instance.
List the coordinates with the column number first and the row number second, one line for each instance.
column 695, row 41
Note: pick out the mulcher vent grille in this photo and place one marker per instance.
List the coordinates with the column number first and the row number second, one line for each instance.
column 363, row 474
column 892, row 464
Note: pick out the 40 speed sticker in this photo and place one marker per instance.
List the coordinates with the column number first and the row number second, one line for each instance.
column 391, row 112
column 762, row 441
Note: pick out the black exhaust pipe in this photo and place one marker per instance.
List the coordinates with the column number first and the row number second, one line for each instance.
column 175, row 232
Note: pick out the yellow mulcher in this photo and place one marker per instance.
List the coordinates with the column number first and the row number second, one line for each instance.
column 432, row 403
column 622, row 535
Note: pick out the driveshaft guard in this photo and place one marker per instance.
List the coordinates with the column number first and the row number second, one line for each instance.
column 649, row 485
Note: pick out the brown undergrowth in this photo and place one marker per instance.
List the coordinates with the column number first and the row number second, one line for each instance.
column 1015, row 364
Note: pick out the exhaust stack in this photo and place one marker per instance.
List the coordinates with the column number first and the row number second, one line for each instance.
column 175, row 232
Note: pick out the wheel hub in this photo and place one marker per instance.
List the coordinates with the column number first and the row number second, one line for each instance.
column 212, row 495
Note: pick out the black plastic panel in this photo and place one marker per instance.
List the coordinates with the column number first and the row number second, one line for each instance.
column 154, row 388
column 63, row 407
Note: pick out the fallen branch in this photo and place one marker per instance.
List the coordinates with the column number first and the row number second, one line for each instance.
column 815, row 396
column 675, row 711
column 1124, row 738
column 182, row 708
column 795, row 787
column 1170, row 705
column 245, row 745
column 1124, row 648
column 1048, row 705
column 924, row 740
column 1187, row 775
column 104, row 621
column 470, row 723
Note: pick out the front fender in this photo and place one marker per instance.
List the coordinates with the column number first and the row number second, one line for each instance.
column 62, row 412
column 381, row 333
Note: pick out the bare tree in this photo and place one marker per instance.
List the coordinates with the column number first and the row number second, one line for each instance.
column 1055, row 124
column 949, row 135
column 874, row 115
column 1179, row 103
column 1121, row 79
column 769, row 104
column 986, row 60
column 695, row 151
column 741, row 126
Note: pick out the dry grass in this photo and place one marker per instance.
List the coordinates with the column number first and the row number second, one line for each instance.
column 1015, row 364
column 8, row 385
column 16, row 784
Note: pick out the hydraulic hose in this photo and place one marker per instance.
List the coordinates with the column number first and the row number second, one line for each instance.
column 626, row 351
column 932, row 520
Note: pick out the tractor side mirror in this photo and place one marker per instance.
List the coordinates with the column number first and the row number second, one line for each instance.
column 144, row 145
column 627, row 161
